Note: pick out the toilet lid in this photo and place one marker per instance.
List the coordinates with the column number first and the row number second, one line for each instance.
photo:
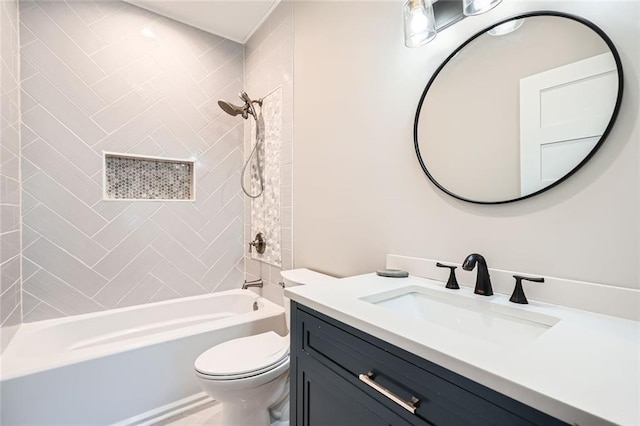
column 244, row 356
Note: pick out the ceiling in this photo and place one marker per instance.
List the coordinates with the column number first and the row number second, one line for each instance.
column 236, row 20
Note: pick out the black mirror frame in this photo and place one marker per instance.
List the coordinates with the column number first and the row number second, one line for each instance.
column 614, row 115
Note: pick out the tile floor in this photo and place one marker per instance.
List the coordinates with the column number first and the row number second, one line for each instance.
column 206, row 414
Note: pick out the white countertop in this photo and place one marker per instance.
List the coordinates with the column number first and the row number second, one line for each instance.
column 584, row 370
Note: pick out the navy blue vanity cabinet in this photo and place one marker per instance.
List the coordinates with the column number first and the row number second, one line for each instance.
column 343, row 376
column 330, row 399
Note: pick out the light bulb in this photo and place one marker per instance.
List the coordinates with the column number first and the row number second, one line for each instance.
column 419, row 22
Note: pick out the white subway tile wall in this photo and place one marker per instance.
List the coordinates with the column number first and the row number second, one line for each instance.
column 108, row 76
column 269, row 66
column 10, row 277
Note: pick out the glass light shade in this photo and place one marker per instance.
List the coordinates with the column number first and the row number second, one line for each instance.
column 419, row 22
column 506, row 28
column 478, row 7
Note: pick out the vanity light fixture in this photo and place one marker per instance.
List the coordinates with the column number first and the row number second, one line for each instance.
column 419, row 22
column 506, row 28
column 424, row 18
column 478, row 7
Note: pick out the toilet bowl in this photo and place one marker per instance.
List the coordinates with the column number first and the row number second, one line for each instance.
column 246, row 375
column 250, row 374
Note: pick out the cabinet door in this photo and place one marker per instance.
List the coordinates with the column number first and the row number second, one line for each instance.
column 325, row 398
column 328, row 357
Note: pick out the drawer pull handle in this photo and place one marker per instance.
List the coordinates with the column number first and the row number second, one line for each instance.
column 410, row 406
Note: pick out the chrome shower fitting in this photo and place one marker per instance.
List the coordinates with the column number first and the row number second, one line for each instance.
column 260, row 243
column 243, row 110
column 254, row 283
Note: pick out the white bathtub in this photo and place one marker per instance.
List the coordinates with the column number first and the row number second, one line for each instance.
column 127, row 366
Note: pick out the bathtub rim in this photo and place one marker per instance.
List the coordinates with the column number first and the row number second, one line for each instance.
column 16, row 369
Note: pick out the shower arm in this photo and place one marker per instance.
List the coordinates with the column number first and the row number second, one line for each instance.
column 250, row 108
column 249, row 104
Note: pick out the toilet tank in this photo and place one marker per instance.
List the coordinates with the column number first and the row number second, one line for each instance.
column 302, row 276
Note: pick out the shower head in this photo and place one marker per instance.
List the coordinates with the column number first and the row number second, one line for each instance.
column 232, row 109
column 244, row 110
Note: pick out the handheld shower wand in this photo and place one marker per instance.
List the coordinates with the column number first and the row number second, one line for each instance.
column 245, row 110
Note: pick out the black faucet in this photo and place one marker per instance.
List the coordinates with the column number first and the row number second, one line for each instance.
column 483, row 282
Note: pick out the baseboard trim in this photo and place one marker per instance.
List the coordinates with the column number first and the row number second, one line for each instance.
column 164, row 412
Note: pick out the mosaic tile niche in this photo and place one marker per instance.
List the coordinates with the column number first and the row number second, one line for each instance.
column 265, row 210
column 145, row 178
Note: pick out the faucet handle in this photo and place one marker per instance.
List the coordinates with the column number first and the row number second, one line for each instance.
column 452, row 283
column 518, row 293
column 260, row 243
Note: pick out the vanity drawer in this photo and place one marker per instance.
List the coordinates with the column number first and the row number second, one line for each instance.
column 328, row 398
column 444, row 397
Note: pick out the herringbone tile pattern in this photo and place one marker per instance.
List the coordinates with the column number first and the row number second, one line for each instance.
column 269, row 68
column 9, row 173
column 108, row 76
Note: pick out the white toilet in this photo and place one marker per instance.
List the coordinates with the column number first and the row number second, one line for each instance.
column 250, row 374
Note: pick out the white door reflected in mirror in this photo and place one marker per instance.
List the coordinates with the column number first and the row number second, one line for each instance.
column 563, row 113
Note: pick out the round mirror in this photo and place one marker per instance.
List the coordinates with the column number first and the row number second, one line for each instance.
column 518, row 108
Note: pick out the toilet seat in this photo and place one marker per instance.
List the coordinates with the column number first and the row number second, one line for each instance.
column 243, row 357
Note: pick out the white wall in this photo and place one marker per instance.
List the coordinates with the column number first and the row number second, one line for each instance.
column 360, row 192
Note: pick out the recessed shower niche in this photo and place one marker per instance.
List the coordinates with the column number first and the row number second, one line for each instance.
column 132, row 177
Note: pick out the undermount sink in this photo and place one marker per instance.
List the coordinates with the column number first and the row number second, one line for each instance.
column 467, row 314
